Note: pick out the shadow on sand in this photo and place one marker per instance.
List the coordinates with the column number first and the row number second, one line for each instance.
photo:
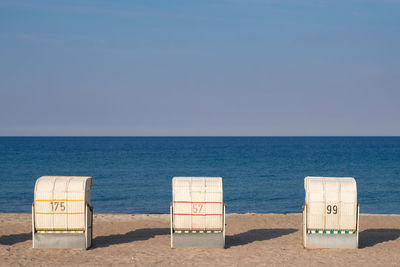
column 256, row 235
column 136, row 235
column 371, row 237
column 16, row 238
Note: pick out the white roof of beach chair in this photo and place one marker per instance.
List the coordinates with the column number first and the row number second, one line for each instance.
column 60, row 202
column 197, row 203
column 331, row 203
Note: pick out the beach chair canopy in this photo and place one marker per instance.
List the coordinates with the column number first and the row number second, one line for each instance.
column 197, row 203
column 60, row 202
column 331, row 203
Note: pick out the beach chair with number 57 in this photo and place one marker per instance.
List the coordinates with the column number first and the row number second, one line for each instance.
column 197, row 212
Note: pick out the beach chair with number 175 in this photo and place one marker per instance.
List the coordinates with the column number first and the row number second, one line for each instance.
column 61, row 214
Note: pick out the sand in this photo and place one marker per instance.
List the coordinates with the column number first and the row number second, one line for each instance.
column 252, row 240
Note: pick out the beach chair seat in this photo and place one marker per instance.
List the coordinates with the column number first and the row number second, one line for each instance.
column 330, row 213
column 61, row 214
column 197, row 212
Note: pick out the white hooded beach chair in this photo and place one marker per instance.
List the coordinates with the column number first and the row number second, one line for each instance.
column 330, row 213
column 197, row 212
column 61, row 214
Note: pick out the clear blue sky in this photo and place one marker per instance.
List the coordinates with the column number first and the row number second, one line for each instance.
column 231, row 67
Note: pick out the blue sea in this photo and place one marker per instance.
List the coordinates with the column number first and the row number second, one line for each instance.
column 261, row 174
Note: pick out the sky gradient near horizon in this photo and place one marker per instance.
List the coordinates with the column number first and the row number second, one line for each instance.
column 230, row 67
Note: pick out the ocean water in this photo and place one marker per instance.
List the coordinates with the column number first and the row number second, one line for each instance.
column 261, row 174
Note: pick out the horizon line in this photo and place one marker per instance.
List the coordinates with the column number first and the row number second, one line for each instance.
column 199, row 136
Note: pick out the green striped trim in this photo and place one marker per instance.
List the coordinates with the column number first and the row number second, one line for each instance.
column 330, row 232
column 60, row 232
column 196, row 232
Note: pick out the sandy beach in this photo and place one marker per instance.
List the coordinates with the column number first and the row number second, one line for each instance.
column 252, row 240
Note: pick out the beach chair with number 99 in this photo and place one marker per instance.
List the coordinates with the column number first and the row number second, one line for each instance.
column 197, row 212
column 330, row 213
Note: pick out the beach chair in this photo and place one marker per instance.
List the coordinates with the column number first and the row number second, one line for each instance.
column 61, row 214
column 197, row 212
column 330, row 213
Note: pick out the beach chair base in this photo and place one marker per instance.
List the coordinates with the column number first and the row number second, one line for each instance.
column 331, row 241
column 200, row 240
column 65, row 239
column 59, row 241
column 326, row 239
